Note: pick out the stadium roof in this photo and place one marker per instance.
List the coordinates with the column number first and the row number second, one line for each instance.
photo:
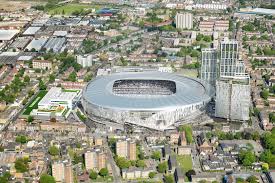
column 189, row 91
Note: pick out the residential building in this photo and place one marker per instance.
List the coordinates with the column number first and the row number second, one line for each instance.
column 228, row 57
column 98, row 141
column 90, row 160
column 68, row 175
column 126, row 148
column 85, row 60
column 42, row 64
column 135, row 173
column 58, row 171
column 233, row 98
column 184, row 21
column 209, row 59
column 101, row 160
column 132, row 150
column 121, row 148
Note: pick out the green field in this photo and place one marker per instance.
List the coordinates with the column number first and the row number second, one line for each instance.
column 68, row 9
column 185, row 162
column 34, row 103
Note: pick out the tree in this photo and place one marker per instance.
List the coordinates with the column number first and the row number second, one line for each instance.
column 199, row 37
column 93, row 175
column 140, row 163
column 21, row 139
column 256, row 136
column 41, row 85
column 103, row 172
column 30, row 119
column 45, row 178
column 162, row 167
column 27, row 79
column 156, row 155
column 21, row 165
column 247, row 158
column 88, row 77
column 207, row 38
column 152, row 175
column 267, row 157
column 72, row 77
column 169, row 178
column 268, row 140
column 189, row 173
column 51, row 78
column 122, row 163
column 54, row 151
column 252, row 179
column 264, row 94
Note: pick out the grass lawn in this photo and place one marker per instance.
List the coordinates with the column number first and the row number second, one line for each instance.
column 185, row 162
column 104, row 179
column 68, row 9
column 34, row 103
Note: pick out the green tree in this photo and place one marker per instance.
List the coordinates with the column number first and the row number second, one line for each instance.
column 156, row 155
column 72, row 77
column 21, row 139
column 162, row 167
column 51, row 78
column 140, row 163
column 103, row 172
column 21, row 165
column 247, row 158
column 122, row 163
column 45, row 178
column 207, row 38
column 252, row 179
column 152, row 175
column 27, row 79
column 264, row 94
column 199, row 37
column 41, row 85
column 54, row 151
column 267, row 157
column 93, row 175
column 30, row 119
column 169, row 178
column 189, row 173
column 268, row 139
column 256, row 136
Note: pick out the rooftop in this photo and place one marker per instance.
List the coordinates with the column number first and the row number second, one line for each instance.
column 6, row 35
column 57, row 93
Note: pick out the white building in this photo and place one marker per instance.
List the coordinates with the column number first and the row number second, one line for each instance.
column 184, row 21
column 233, row 98
column 57, row 101
column 228, row 57
column 85, row 60
column 209, row 59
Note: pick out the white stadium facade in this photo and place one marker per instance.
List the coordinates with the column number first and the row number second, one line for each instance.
column 150, row 99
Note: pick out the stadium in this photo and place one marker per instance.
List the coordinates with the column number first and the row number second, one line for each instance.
column 153, row 100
